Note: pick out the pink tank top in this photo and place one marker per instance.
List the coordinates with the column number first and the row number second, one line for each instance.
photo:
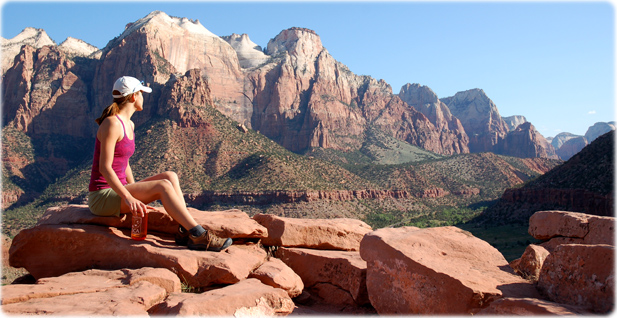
column 122, row 152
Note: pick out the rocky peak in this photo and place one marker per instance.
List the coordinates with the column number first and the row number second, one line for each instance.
column 159, row 18
column 461, row 101
column 599, row 129
column 73, row 46
column 296, row 41
column 561, row 138
column 36, row 38
column 514, row 121
column 479, row 116
column 416, row 94
column 249, row 54
column 423, row 99
column 526, row 142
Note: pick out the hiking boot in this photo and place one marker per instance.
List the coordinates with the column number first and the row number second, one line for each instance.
column 208, row 242
column 182, row 236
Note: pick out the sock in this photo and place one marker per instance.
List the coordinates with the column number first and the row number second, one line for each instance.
column 197, row 231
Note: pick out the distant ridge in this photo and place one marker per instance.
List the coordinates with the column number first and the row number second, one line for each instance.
column 585, row 183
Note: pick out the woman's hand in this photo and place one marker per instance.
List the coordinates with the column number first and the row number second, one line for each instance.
column 136, row 207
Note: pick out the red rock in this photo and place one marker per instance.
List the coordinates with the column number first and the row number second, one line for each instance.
column 453, row 136
column 441, row 270
column 592, row 229
column 529, row 265
column 345, row 271
column 526, row 142
column 92, row 292
column 528, row 307
column 335, row 234
column 551, row 244
column 247, row 298
column 480, row 118
column 544, row 225
column 580, row 275
column 230, row 223
column 277, row 274
column 53, row 250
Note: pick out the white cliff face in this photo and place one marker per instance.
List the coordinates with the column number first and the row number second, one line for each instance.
column 36, row 38
column 514, row 121
column 73, row 46
column 161, row 18
column 250, row 55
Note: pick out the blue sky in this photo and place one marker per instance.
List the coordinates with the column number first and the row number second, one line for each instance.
column 552, row 62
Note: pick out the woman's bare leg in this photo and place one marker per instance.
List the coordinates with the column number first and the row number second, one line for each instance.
column 173, row 178
column 161, row 189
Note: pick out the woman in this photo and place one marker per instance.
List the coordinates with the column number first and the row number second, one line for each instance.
column 113, row 189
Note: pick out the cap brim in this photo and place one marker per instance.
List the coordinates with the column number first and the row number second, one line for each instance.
column 146, row 89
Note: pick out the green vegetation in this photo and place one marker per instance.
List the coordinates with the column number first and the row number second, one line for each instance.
column 511, row 240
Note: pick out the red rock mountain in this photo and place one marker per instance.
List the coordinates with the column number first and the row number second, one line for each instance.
column 426, row 101
column 488, row 131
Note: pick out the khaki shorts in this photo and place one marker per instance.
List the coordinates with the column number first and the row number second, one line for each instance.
column 104, row 202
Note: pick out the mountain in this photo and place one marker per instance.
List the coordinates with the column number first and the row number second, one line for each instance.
column 249, row 54
column 568, row 144
column 78, row 47
column 306, row 123
column 488, row 131
column 426, row 101
column 561, row 138
column 599, row 129
column 525, row 142
column 35, row 38
column 514, row 121
column 480, row 117
column 571, row 147
column 584, row 183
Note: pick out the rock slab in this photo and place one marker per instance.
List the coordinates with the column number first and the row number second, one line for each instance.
column 441, row 270
column 529, row 265
column 54, row 250
column 580, row 275
column 544, row 225
column 92, row 292
column 338, row 277
column 231, row 223
column 529, row 307
column 247, row 298
column 277, row 274
column 328, row 234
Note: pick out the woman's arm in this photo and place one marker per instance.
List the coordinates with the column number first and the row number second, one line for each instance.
column 108, row 134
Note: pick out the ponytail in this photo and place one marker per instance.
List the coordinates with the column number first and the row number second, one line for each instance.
column 114, row 108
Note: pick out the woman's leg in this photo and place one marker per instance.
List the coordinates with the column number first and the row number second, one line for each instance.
column 161, row 189
column 173, row 178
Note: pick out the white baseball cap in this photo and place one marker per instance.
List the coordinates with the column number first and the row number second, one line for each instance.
column 128, row 85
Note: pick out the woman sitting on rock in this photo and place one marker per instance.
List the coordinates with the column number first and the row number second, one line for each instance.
column 113, row 189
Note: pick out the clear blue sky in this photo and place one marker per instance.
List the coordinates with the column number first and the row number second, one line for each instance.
column 552, row 62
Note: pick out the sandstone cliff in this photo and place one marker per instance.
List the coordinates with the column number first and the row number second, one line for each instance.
column 571, row 147
column 48, row 94
column 36, row 38
column 480, row 117
column 488, row 131
column 425, row 100
column 525, row 141
column 599, row 129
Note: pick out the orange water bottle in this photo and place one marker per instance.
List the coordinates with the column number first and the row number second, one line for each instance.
column 139, row 228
